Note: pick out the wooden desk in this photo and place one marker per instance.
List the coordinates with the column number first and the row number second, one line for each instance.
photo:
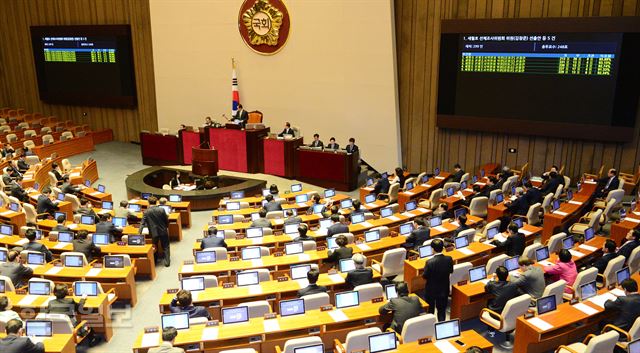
column 281, row 157
column 17, row 219
column 329, row 169
column 96, row 197
column 619, row 230
column 496, row 211
column 87, row 170
column 253, row 334
column 469, row 338
column 300, row 207
column 183, row 207
column 239, row 150
column 420, row 190
column 455, row 200
column 63, row 206
column 60, row 343
column 256, row 201
column 66, row 148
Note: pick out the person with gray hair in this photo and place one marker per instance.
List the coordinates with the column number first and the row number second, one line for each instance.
column 169, row 334
column 360, row 275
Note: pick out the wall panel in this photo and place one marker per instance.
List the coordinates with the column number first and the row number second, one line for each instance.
column 425, row 147
column 18, row 84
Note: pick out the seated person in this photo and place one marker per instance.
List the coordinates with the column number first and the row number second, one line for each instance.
column 290, row 218
column 462, row 225
column 87, row 209
column 106, row 226
column 14, row 342
column 45, row 202
column 175, row 181
column 6, row 313
column 316, row 142
column 271, row 204
column 360, row 275
column 67, row 187
column 124, row 212
column 7, row 150
column 22, row 164
column 400, row 178
column 382, row 185
column 342, row 252
column 443, row 211
column 15, row 270
column 302, row 230
column 183, row 303
column 515, row 242
column 60, row 227
column 287, row 130
column 18, row 192
column 457, row 173
column 627, row 307
column 519, row 206
column 531, row 280
column 55, row 169
column 419, row 235
column 352, row 147
column 312, row 288
column 169, row 335
column 332, row 144
column 564, row 269
column 34, row 245
column 210, row 240
column 82, row 244
column 337, row 227
column 501, row 290
column 63, row 305
column 630, row 242
column 262, row 222
column 403, row 308
column 608, row 254
column 316, row 200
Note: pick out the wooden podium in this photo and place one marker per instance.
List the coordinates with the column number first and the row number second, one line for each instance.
column 204, row 161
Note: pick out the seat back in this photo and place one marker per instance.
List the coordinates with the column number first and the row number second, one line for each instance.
column 605, row 342
column 12, row 138
column 393, row 262
column 460, row 272
column 546, row 203
column 60, row 323
column 634, row 260
column 556, row 288
column 418, row 327
column 383, row 230
column 309, row 245
column 31, row 160
column 221, row 253
column 315, row 301
column 453, row 184
column 366, row 292
column 495, row 262
column 533, row 215
column 612, row 267
column 258, row 308
column 556, row 195
column 419, row 177
column 52, row 179
column 608, row 210
column 586, row 276
column 8, row 284
column 555, row 242
column 594, row 221
column 478, row 206
column 47, row 139
column 469, row 233
column 465, row 177
column 229, row 234
column 29, row 133
column 567, row 182
column 64, row 255
column 358, row 340
column 506, row 188
column 29, row 144
column 274, row 215
column 73, row 199
column 494, row 193
column 255, row 117
column 434, row 197
column 393, row 192
column 634, row 331
column 210, row 281
column 514, row 308
column 530, row 251
column 292, row 344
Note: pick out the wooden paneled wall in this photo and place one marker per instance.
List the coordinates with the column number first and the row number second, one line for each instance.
column 18, row 84
column 425, row 147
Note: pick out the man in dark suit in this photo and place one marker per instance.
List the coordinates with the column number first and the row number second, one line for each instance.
column 175, row 181
column 342, row 252
column 404, row 307
column 436, row 273
column 352, row 147
column 630, row 242
column 312, row 288
column 462, row 225
column 519, row 206
column 241, row 115
column 533, row 194
column 67, row 188
column 382, row 186
column 291, row 219
column 22, row 164
column 332, row 145
column 33, row 245
column 262, row 222
column 551, row 185
column 418, row 236
column 14, row 269
column 302, row 231
column 60, row 227
column 337, row 227
column 287, row 130
column 183, row 303
column 501, row 290
column 106, row 226
column 7, row 177
column 611, row 182
column 608, row 254
column 515, row 242
column 14, row 342
column 45, row 204
column 7, row 150
column 360, row 275
column 156, row 220
column 82, row 244
column 211, row 240
column 627, row 307
column 271, row 204
column 55, row 169
column 18, row 192
column 457, row 173
column 316, row 142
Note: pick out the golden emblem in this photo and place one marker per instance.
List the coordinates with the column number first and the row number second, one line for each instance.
column 263, row 23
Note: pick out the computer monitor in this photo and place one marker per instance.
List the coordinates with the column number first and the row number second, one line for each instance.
column 410, row 206
column 179, row 321
column 60, row 196
column 372, row 235
column 386, row 212
column 81, row 288
column 136, row 239
column 436, row 171
column 357, row 217
column 347, row 299
column 225, row 219
column 57, row 215
column 325, row 223
column 291, row 228
column 3, row 286
column 369, row 181
column 463, row 185
column 408, row 186
column 38, row 328
column 316, row 348
column 499, row 198
column 35, row 258
column 492, row 232
column 302, row 198
column 450, row 192
column 424, row 179
column 296, row 187
column 192, row 283
column 435, row 221
column 346, row 203
column 555, row 205
column 233, row 206
column 100, row 239
column 87, row 183
column 87, row 219
column 145, row 195
column 382, row 342
column 569, row 194
column 390, row 291
column 474, row 179
column 462, row 242
column 588, row 290
column 347, row 265
column 205, row 257
column 546, row 304
column 39, row 288
column 175, row 198
column 291, row 307
column 511, row 264
column 370, row 198
column 251, row 253
column 6, row 229
column 299, row 271
column 235, row 315
column 3, row 255
column 113, row 261
column 634, row 346
column 518, row 222
column 294, row 248
column 513, row 190
column 107, row 205
column 589, row 234
column 623, row 274
column 317, row 208
column 568, row 242
column 542, row 253
column 134, row 207
column 248, row 278
column 406, row 228
column 38, row 234
column 384, row 175
column 447, row 329
column 237, row 194
column 459, row 212
column 331, row 243
column 425, row 251
column 73, row 261
column 254, row 232
column 101, row 188
column 477, row 274
column 329, row 193
column 119, row 222
column 14, row 207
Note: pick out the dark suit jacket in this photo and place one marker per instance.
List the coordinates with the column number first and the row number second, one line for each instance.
column 286, row 131
column 45, row 205
column 359, row 276
column 332, row 146
column 316, row 143
column 87, row 247
column 417, row 237
column 293, row 220
column 615, row 183
column 403, row 308
column 352, row 149
column 242, row 116
column 502, row 291
column 533, row 195
column 628, row 308
column 212, row 242
column 338, row 254
column 627, row 247
column 311, row 289
column 194, row 311
column 262, row 223
column 337, row 229
column 602, row 262
column 108, row 228
column 15, row 344
column 16, row 272
column 66, row 306
column 305, row 238
column 514, row 245
column 550, row 186
column 35, row 246
column 157, row 221
column 67, row 188
column 436, row 272
column 382, row 186
column 174, row 182
column 273, row 206
column 61, row 228
column 519, row 206
column 57, row 174
column 6, row 179
column 457, row 176
column 23, row 166
column 18, row 192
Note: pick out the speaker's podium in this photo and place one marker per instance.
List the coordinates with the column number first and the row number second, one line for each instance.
column 204, row 161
